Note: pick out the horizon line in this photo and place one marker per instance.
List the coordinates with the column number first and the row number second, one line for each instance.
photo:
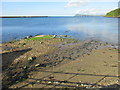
column 44, row 15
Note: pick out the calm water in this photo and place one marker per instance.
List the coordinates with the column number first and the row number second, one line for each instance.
column 83, row 27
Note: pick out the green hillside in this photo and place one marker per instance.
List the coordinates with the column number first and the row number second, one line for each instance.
column 113, row 13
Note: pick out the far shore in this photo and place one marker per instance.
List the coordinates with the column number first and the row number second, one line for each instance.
column 21, row 16
column 112, row 17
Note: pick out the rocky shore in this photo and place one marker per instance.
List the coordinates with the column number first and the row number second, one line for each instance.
column 29, row 57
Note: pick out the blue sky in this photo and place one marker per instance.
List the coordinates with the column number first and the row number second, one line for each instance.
column 68, row 8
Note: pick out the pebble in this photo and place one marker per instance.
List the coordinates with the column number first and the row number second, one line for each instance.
column 65, row 35
column 31, row 85
column 82, row 84
column 56, row 82
column 110, row 56
column 54, row 36
column 31, row 58
column 37, row 65
column 43, row 65
column 51, row 77
column 88, row 54
column 49, row 82
column 77, row 85
column 114, row 65
column 25, row 67
column 41, row 42
column 80, row 81
column 38, row 81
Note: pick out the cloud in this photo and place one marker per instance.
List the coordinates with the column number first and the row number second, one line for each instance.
column 79, row 3
column 76, row 3
column 93, row 11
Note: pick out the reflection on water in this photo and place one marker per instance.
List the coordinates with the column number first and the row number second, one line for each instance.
column 91, row 32
column 83, row 27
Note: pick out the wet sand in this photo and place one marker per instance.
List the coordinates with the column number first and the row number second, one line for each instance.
column 59, row 63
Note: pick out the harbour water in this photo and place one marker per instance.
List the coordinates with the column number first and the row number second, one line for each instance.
column 79, row 27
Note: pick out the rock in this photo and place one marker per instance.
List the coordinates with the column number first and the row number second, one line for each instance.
column 23, row 44
column 64, row 57
column 47, row 60
column 59, row 47
column 41, row 42
column 80, row 81
column 49, row 82
column 23, row 75
column 61, row 39
column 78, row 55
column 43, row 65
column 77, row 85
column 96, row 46
column 65, row 35
column 114, row 65
column 82, row 84
column 37, row 65
column 56, row 82
column 26, row 37
column 51, row 77
column 30, row 36
column 31, row 58
column 88, row 54
column 106, row 42
column 31, row 85
column 111, row 56
column 40, row 65
column 69, row 58
column 65, row 81
column 25, row 67
column 38, row 81
column 54, row 36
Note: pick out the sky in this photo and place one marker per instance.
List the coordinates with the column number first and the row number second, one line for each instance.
column 56, row 8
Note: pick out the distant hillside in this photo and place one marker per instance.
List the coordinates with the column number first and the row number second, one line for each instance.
column 113, row 13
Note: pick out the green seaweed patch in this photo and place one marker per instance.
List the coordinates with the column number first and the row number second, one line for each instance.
column 44, row 37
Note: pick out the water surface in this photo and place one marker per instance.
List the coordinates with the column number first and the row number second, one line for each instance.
column 82, row 27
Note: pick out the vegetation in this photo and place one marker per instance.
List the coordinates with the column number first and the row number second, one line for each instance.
column 44, row 37
column 114, row 13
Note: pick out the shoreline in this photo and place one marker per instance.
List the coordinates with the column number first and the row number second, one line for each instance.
column 21, row 16
column 62, row 36
column 24, row 57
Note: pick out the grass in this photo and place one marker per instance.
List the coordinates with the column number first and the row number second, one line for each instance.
column 44, row 37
